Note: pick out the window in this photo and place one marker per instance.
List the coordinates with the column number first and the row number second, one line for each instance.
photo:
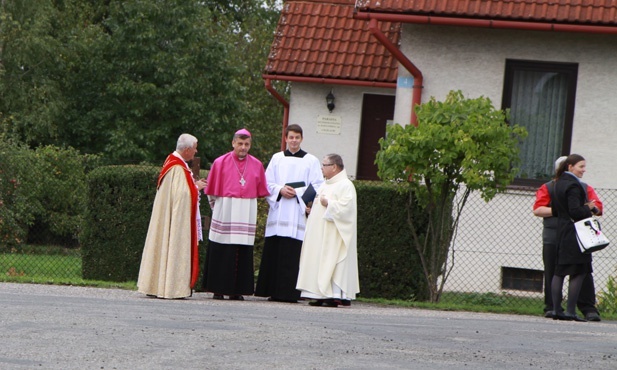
column 541, row 98
column 513, row 278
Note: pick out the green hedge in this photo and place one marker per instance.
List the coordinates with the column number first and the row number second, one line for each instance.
column 388, row 263
column 42, row 195
column 118, row 212
column 120, row 202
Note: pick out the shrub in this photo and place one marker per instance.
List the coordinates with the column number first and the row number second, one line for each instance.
column 18, row 186
column 61, row 175
column 388, row 263
column 119, row 204
column 607, row 299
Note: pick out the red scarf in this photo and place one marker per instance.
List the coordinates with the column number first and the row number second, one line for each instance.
column 171, row 161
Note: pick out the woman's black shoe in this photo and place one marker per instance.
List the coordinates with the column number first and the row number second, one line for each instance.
column 317, row 303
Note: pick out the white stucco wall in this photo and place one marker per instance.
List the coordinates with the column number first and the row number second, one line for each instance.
column 504, row 233
column 308, row 101
column 473, row 60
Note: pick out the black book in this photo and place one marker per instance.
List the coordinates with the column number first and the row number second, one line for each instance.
column 309, row 195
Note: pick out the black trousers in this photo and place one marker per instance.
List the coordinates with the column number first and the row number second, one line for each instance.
column 278, row 273
column 228, row 269
column 586, row 299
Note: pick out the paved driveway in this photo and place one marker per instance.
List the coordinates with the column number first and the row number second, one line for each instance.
column 59, row 327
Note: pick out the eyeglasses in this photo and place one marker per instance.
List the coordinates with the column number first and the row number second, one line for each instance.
column 327, row 165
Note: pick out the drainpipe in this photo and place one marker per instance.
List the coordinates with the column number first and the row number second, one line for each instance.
column 285, row 103
column 314, row 80
column 415, row 72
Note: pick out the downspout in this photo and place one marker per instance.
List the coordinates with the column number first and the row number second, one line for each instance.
column 285, row 104
column 409, row 66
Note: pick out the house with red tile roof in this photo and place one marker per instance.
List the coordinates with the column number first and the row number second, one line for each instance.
column 321, row 49
column 515, row 52
column 552, row 63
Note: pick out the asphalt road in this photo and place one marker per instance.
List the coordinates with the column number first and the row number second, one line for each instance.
column 59, row 327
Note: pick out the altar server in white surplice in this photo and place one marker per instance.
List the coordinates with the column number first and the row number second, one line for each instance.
column 292, row 175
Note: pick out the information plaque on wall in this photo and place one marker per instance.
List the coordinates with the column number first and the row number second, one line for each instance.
column 329, row 125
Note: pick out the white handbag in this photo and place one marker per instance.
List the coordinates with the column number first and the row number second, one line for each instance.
column 590, row 236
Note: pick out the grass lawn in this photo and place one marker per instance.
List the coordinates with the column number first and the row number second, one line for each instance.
column 49, row 265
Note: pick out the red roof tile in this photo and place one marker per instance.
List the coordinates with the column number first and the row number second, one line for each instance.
column 321, row 39
column 589, row 12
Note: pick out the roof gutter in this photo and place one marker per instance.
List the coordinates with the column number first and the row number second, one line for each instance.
column 331, row 81
column 485, row 23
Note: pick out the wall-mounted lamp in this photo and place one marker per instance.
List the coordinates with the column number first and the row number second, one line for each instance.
column 330, row 101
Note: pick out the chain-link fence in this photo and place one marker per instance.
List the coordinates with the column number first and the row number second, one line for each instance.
column 497, row 250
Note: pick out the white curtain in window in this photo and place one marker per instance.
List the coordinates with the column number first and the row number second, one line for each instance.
column 539, row 104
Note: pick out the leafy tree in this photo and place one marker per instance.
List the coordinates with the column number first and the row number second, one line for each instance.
column 17, row 179
column 161, row 71
column 30, row 55
column 125, row 78
column 459, row 146
column 251, row 32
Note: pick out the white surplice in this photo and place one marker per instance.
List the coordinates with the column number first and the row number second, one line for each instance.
column 286, row 217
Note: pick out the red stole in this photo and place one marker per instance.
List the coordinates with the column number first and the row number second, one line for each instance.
column 171, row 161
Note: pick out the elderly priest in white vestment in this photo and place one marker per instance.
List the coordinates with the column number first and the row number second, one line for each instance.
column 170, row 260
column 329, row 260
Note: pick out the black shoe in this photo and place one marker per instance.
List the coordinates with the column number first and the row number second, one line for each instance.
column 218, row 296
column 576, row 318
column 331, row 302
column 593, row 316
column 236, row 298
column 317, row 303
column 568, row 317
column 346, row 302
column 549, row 314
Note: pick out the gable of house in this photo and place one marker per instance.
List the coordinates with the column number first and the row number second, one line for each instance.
column 320, row 41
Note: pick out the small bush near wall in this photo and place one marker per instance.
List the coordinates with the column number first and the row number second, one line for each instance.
column 388, row 263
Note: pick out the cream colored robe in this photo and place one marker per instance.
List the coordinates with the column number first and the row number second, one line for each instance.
column 329, row 252
column 165, row 269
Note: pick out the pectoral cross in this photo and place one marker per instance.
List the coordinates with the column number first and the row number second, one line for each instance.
column 242, row 181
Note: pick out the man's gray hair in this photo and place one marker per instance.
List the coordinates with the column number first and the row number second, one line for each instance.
column 185, row 141
column 336, row 159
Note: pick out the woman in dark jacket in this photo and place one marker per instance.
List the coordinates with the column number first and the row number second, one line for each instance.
column 570, row 205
